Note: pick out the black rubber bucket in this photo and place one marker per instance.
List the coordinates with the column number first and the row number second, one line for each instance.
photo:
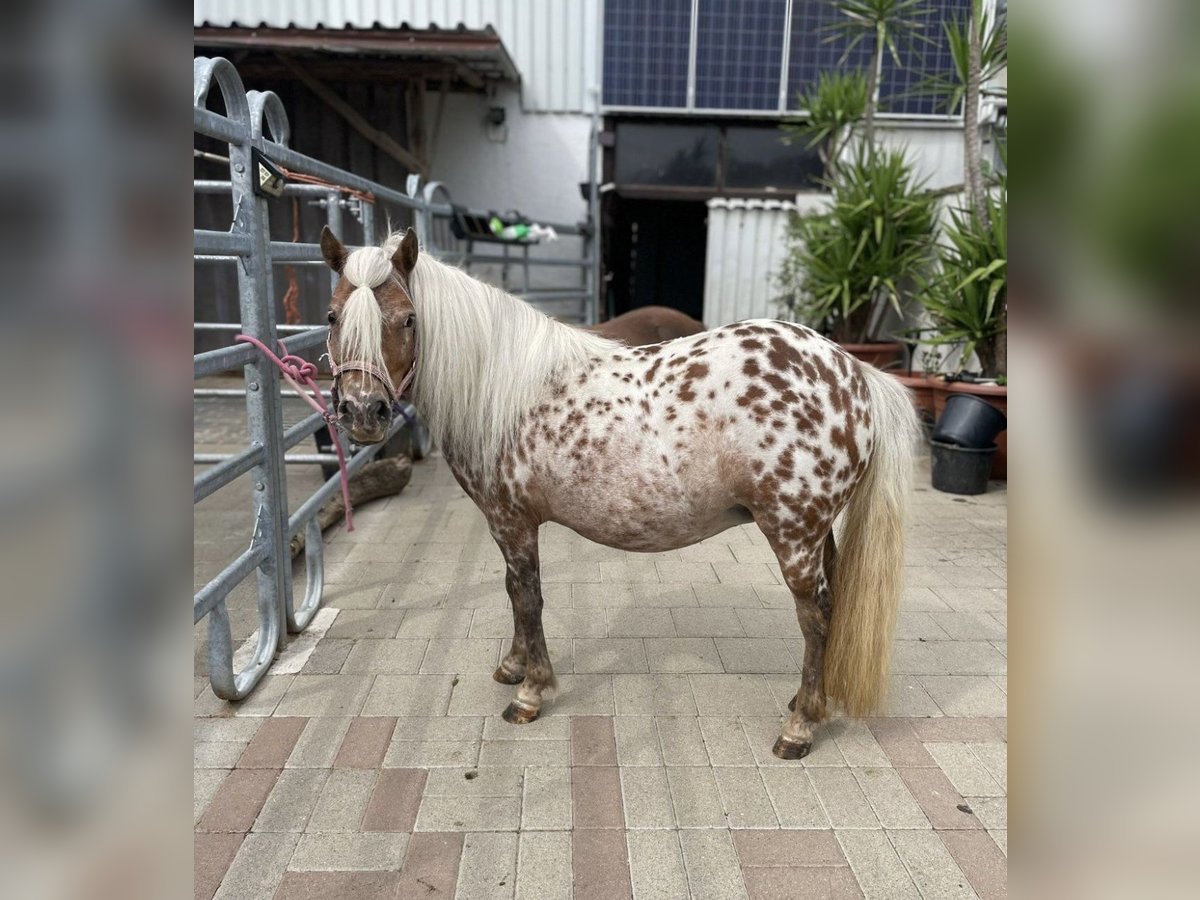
column 960, row 470
column 968, row 421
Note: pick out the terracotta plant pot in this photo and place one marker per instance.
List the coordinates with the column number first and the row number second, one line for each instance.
column 879, row 355
column 920, row 386
column 996, row 395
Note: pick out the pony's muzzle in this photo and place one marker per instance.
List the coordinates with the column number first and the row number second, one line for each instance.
column 365, row 417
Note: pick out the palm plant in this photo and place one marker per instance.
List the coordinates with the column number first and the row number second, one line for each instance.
column 852, row 260
column 968, row 295
column 833, row 106
column 892, row 24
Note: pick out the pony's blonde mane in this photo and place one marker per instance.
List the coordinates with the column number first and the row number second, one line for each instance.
column 361, row 319
column 484, row 359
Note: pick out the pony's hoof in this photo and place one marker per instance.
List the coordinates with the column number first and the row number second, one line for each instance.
column 792, row 703
column 515, row 714
column 786, row 749
column 504, row 676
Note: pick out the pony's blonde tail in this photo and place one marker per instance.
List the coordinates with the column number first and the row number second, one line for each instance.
column 867, row 575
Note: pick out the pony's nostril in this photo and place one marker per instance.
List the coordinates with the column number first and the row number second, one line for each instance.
column 380, row 408
column 344, row 408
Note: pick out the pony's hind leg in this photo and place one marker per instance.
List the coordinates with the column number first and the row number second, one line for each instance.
column 806, row 574
column 527, row 662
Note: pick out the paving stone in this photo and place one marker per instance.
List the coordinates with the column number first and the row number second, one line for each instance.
column 712, row 865
column 725, row 741
column 637, row 741
column 582, row 695
column 547, row 798
column 775, row 596
column 966, row 695
column 205, row 783
column 227, row 730
column 638, row 571
column 263, row 700
column 761, row 732
column 217, row 754
column 478, row 695
column 291, row 801
column 237, row 802
column 894, row 806
column 640, row 623
column 843, row 799
column 733, row 695
column 366, row 623
column 386, row 657
column 338, row 885
column 647, row 797
column 681, row 742
column 608, row 655
column 525, row 753
column 461, row 655
column 981, row 860
column 795, row 801
column 695, row 797
column 469, row 814
column 404, row 595
column 365, row 743
column 768, row 623
column 431, row 754
column 343, row 800
column 709, row 622
column 900, row 743
column 475, row 782
column 586, row 596
column 544, row 728
column 994, row 756
column 394, row 801
column 992, row 812
column 408, row 695
column 596, row 797
column 349, row 851
column 592, row 741
column 758, row 848
column 880, row 873
column 744, row 798
column 544, row 865
column 708, row 551
column 755, row 655
column 489, row 867
column 328, row 656
column 688, row 572
column 722, row 595
column 656, row 865
column 600, row 864
column 907, row 697
column 964, row 769
column 431, row 864
column 930, row 864
column 808, row 881
column 443, row 624
column 319, row 743
column 211, row 856
column 324, row 695
column 966, row 626
column 258, row 867
column 646, row 695
column 937, row 798
column 1000, row 836
column 856, row 743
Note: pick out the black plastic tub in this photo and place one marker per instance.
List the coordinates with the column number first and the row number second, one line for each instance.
column 960, row 470
column 969, row 421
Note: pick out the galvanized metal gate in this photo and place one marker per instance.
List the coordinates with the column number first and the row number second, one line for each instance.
column 255, row 125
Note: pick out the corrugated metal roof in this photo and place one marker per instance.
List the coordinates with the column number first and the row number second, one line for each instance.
column 554, row 43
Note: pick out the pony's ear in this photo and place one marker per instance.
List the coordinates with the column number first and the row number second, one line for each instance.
column 405, row 257
column 332, row 250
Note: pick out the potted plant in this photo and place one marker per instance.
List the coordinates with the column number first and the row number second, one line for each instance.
column 852, row 261
column 921, row 379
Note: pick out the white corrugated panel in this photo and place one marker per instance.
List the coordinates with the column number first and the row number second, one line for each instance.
column 747, row 242
column 553, row 42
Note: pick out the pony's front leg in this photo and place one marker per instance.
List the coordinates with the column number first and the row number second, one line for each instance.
column 528, row 662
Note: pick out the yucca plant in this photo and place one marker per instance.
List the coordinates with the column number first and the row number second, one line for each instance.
column 861, row 254
column 892, row 25
column 967, row 297
column 833, row 106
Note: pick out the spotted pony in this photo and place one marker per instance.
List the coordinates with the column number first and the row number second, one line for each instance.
column 646, row 449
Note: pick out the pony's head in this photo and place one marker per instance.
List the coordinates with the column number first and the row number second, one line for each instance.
column 372, row 331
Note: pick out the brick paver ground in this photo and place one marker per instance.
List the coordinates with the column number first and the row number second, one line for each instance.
column 373, row 762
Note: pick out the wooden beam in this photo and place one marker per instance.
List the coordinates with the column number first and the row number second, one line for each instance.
column 380, row 139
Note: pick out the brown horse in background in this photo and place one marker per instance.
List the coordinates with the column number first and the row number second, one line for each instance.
column 648, row 325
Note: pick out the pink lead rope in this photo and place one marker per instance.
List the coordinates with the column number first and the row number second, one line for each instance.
column 296, row 370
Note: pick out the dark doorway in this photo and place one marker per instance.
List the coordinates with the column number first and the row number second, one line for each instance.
column 656, row 255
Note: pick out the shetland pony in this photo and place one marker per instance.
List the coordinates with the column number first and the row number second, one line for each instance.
column 645, row 449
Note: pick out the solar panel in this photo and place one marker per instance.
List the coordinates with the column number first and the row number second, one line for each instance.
column 900, row 88
column 646, row 52
column 739, row 54
column 812, row 51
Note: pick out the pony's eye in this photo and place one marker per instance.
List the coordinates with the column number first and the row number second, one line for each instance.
column 410, row 320
column 332, row 317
